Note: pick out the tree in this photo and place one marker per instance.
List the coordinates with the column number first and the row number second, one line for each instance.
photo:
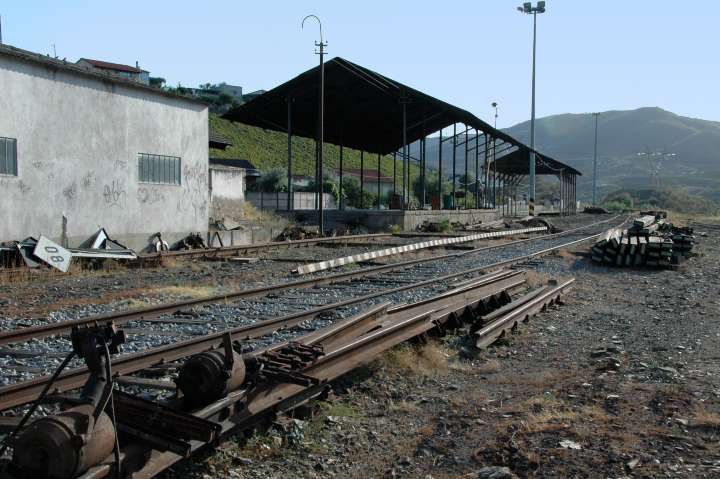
column 431, row 185
column 273, row 180
column 329, row 186
column 351, row 192
column 157, row 82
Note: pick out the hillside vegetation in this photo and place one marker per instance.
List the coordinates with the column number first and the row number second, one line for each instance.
column 667, row 199
column 267, row 149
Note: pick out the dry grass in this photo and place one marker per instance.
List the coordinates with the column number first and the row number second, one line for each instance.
column 169, row 262
column 134, row 303
column 547, row 414
column 705, row 418
column 489, row 367
column 190, row 292
column 405, row 407
column 568, row 256
column 425, row 360
column 535, row 279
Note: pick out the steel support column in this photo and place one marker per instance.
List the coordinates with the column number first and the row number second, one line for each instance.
column 341, row 206
column 394, row 173
column 477, row 169
column 423, row 161
column 362, row 178
column 486, row 183
column 290, row 198
column 454, row 141
column 406, row 164
column 378, row 183
column 466, row 169
column 440, row 173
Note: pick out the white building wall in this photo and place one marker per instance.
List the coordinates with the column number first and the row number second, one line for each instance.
column 227, row 192
column 78, row 140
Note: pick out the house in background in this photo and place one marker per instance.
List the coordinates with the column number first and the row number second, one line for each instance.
column 125, row 71
column 251, row 171
column 252, row 95
column 370, row 179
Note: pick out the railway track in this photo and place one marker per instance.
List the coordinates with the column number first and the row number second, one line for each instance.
column 274, row 361
column 224, row 252
column 343, row 346
column 370, row 288
column 379, row 273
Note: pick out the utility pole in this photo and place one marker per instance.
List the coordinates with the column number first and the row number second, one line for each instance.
column 529, row 9
column 321, row 124
column 594, row 191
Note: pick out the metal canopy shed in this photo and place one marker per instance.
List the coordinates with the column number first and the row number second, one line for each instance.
column 373, row 113
column 509, row 170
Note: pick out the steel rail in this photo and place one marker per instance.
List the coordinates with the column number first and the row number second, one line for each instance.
column 235, row 249
column 401, row 325
column 26, row 391
column 64, row 327
column 487, row 334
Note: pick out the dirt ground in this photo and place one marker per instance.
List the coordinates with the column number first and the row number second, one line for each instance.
column 623, row 380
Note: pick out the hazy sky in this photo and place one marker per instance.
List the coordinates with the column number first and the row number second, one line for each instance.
column 592, row 56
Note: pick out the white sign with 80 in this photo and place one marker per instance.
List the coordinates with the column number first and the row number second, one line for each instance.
column 53, row 254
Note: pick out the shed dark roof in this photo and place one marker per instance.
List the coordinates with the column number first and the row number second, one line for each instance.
column 517, row 162
column 250, row 169
column 73, row 68
column 112, row 66
column 219, row 141
column 363, row 109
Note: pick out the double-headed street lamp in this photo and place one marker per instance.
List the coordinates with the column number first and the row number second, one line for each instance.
column 530, row 10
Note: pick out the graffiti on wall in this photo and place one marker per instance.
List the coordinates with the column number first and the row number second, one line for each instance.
column 150, row 195
column 88, row 179
column 70, row 192
column 195, row 190
column 114, row 194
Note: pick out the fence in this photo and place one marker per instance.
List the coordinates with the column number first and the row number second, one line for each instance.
column 278, row 201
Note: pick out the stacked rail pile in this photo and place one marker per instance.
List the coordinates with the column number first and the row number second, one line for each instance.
column 650, row 241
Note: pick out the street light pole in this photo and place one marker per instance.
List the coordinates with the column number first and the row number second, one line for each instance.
column 529, row 9
column 321, row 125
column 594, row 192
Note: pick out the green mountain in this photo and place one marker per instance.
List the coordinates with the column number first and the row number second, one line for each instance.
column 686, row 151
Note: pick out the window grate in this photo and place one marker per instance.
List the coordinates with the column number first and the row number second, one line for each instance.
column 8, row 156
column 158, row 169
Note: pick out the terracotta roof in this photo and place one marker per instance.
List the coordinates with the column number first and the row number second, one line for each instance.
column 82, row 70
column 112, row 66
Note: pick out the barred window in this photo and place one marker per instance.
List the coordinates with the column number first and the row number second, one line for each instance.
column 158, row 169
column 8, row 156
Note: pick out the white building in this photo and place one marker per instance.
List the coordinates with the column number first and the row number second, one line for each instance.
column 81, row 149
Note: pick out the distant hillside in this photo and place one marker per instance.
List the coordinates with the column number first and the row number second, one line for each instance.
column 621, row 136
column 268, row 149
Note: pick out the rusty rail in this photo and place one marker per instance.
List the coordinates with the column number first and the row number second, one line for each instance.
column 64, row 327
column 26, row 391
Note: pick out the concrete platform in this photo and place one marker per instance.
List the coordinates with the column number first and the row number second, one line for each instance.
column 381, row 220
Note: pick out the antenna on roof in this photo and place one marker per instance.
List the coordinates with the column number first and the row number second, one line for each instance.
column 54, row 51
